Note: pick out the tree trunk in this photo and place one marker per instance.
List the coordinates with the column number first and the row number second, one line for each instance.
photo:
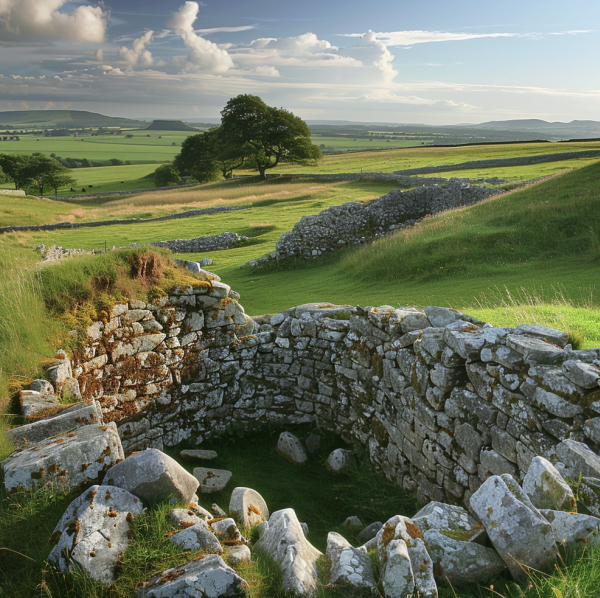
column 263, row 176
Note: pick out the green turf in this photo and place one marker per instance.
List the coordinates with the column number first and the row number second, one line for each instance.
column 345, row 143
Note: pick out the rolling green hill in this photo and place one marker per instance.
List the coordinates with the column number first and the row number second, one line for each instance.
column 63, row 118
column 170, row 125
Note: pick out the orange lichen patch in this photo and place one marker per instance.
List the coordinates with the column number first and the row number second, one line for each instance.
column 72, row 434
column 186, row 524
column 73, row 527
column 171, row 533
column 211, row 521
column 112, row 513
column 38, row 475
column 62, row 474
column 93, row 494
column 93, row 553
column 107, row 495
column 129, row 533
column 413, row 531
column 103, row 428
column 199, row 557
column 84, row 466
column 53, row 468
column 253, row 509
column 60, row 441
column 389, row 531
column 171, row 576
column 233, row 543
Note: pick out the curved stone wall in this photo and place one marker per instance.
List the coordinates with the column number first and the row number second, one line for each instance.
column 440, row 399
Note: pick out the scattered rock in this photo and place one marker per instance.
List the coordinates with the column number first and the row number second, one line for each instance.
column 238, row 554
column 370, row 531
column 397, row 576
column 339, row 460
column 207, row 576
column 451, row 520
column 262, row 528
column 578, row 459
column 349, row 566
column 285, row 542
column 573, row 530
column 33, row 402
column 92, row 533
column 290, row 447
column 183, row 518
column 198, row 454
column 153, row 476
column 226, row 530
column 546, row 488
column 248, row 507
column 197, row 536
column 458, row 561
column 517, row 530
column 351, row 521
column 218, row 511
column 211, row 480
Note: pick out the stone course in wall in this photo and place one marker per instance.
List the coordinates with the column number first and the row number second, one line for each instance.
column 12, row 192
column 500, row 162
column 440, row 399
column 353, row 223
column 200, row 244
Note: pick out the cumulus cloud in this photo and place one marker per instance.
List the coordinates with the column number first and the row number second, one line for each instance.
column 138, row 54
column 267, row 71
column 34, row 19
column 204, row 56
column 371, row 50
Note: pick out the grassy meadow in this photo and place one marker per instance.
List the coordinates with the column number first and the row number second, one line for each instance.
column 529, row 255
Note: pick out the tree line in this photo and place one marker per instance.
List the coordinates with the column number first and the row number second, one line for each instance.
column 36, row 173
column 252, row 135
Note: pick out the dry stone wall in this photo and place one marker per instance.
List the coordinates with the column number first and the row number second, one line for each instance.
column 353, row 223
column 441, row 400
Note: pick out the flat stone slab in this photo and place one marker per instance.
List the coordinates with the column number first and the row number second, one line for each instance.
column 79, row 415
column 290, row 447
column 153, row 476
column 546, row 488
column 349, row 566
column 198, row 454
column 451, row 520
column 32, row 402
column 67, row 460
column 578, row 458
column 197, row 536
column 92, row 533
column 573, row 530
column 211, row 480
column 248, row 507
column 208, row 577
column 226, row 530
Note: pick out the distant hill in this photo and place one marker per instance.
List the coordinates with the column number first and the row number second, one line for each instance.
column 73, row 119
column 575, row 128
column 170, row 125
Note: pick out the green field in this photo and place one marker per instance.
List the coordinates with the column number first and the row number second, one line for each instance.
column 346, row 143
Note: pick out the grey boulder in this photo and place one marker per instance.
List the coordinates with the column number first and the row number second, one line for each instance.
column 369, row 532
column 349, row 566
column 452, row 520
column 290, row 447
column 573, row 530
column 201, row 455
column 211, row 480
column 153, row 476
column 339, row 460
column 92, row 533
column 208, row 577
column 285, row 543
column 226, row 530
column 546, row 487
column 197, row 536
column 578, row 459
column 520, row 534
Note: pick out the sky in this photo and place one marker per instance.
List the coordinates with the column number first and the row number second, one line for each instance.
column 397, row 61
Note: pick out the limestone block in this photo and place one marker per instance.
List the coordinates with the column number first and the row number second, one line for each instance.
column 135, row 315
column 153, row 476
column 551, row 335
column 461, row 562
column 578, row 459
column 285, row 542
column 219, row 289
column 209, row 577
column 238, row 554
column 369, row 532
column 183, row 518
column 349, row 566
column 60, row 371
column 450, row 520
column 546, row 488
column 469, row 440
column 446, row 378
column 352, row 521
column 32, row 402
column 592, row 429
column 586, row 375
column 496, row 463
column 555, row 405
column 202, row 455
column 290, row 447
column 226, row 530
column 573, row 530
column 67, row 460
column 397, row 576
column 211, row 480
column 248, row 507
column 339, row 460
column 92, row 533
column 518, row 532
column 534, row 350
column 197, row 536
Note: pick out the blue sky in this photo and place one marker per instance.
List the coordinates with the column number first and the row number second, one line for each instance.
column 433, row 62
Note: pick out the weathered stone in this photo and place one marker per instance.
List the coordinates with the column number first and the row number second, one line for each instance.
column 518, row 532
column 349, row 566
column 64, row 421
column 183, row 518
column 578, row 459
column 586, row 375
column 33, row 402
column 208, row 577
column 457, row 561
column 67, row 460
column 211, row 480
column 153, row 476
column 397, row 576
column 573, row 530
column 551, row 335
column 369, row 532
column 93, row 532
column 496, row 464
column 197, row 536
column 339, row 460
column 546, row 488
column 248, row 507
column 290, row 447
column 226, row 530
column 534, row 350
column 198, row 454
column 284, row 541
column 351, row 521
column 450, row 520
column 238, row 554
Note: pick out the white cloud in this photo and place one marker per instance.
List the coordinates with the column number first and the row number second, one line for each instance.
column 204, row 56
column 370, row 50
column 100, row 55
column 267, row 71
column 34, row 19
column 138, row 54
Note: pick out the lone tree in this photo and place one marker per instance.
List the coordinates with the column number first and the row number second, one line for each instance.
column 265, row 136
column 166, row 174
column 251, row 133
column 42, row 172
